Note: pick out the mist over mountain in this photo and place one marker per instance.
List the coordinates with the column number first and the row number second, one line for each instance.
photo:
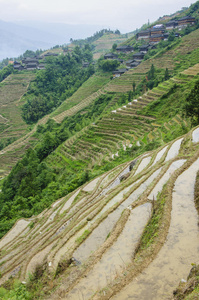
column 18, row 37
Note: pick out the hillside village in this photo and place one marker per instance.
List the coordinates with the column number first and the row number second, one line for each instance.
column 99, row 167
column 151, row 36
column 32, row 63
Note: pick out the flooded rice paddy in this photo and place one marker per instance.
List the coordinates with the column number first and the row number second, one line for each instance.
column 115, row 259
column 181, row 249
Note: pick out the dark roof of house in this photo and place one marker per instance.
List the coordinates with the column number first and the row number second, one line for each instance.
column 157, row 30
column 110, row 55
column 174, row 22
column 31, row 65
column 129, row 61
column 144, row 47
column 138, row 54
column 186, row 18
column 144, row 31
column 135, row 64
column 120, row 71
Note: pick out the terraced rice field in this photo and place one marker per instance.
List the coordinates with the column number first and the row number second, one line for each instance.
column 95, row 231
column 89, row 91
column 119, row 129
column 97, row 135
column 12, row 126
column 11, row 91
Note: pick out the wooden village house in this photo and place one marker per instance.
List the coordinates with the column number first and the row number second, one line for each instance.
column 145, row 34
column 185, row 21
column 125, row 49
column 156, row 38
column 171, row 25
column 129, row 62
column 119, row 72
column 155, row 31
column 110, row 56
column 138, row 56
column 144, row 48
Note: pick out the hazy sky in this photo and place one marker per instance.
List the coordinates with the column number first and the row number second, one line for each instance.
column 125, row 15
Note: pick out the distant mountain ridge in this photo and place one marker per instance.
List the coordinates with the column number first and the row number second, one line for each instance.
column 16, row 38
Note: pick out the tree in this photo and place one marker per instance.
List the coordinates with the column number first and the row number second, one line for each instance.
column 108, row 65
column 166, row 74
column 151, row 73
column 114, row 47
column 117, row 31
column 171, row 37
column 192, row 104
column 134, row 85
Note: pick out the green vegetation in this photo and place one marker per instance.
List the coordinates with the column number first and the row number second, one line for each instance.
column 108, row 65
column 61, row 78
column 6, row 71
column 33, row 184
column 94, row 37
column 192, row 104
column 18, row 292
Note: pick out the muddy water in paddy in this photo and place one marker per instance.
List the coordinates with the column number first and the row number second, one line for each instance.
column 195, row 135
column 159, row 155
column 115, row 199
column 174, row 166
column 91, row 185
column 174, row 260
column 69, row 202
column 174, row 150
column 116, row 182
column 99, row 234
column 116, row 257
column 15, row 231
column 143, row 164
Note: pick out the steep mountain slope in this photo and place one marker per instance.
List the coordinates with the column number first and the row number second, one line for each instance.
column 104, row 195
column 87, row 235
column 183, row 55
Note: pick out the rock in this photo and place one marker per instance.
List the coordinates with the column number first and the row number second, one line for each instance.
column 132, row 164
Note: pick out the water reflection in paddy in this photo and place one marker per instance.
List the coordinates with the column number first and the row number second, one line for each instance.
column 114, row 260
column 174, row 166
column 99, row 234
column 180, row 250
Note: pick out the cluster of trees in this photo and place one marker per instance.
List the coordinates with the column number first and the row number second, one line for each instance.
column 62, row 76
column 6, row 71
column 153, row 78
column 108, row 65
